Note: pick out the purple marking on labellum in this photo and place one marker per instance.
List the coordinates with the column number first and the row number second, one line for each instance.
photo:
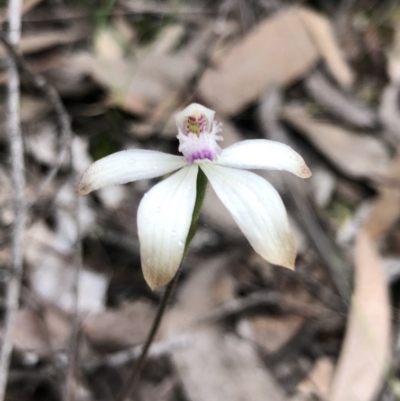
column 201, row 155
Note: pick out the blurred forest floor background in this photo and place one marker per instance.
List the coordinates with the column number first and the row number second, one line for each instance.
column 320, row 75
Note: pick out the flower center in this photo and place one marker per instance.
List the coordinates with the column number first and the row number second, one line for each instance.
column 198, row 134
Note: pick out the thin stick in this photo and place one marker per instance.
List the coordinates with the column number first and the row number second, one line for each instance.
column 239, row 306
column 70, row 393
column 120, row 358
column 18, row 180
column 62, row 117
column 64, row 125
column 133, row 378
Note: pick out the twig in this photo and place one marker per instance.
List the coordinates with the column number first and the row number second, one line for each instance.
column 334, row 260
column 74, row 336
column 132, row 380
column 329, row 252
column 18, row 180
column 64, row 124
column 338, row 103
column 316, row 289
column 389, row 113
column 120, row 358
column 239, row 306
column 62, row 117
column 113, row 360
column 157, row 9
column 305, row 336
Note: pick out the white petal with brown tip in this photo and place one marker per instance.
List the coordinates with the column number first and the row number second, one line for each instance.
column 127, row 166
column 164, row 218
column 264, row 154
column 258, row 210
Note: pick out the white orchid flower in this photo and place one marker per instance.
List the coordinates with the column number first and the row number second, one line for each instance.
column 165, row 212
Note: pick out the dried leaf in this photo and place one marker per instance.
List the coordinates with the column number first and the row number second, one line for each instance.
column 339, row 104
column 33, row 108
column 269, row 332
column 351, row 152
column 393, row 64
column 365, row 352
column 323, row 184
column 389, row 112
column 41, row 144
column 122, row 327
column 43, row 333
column 139, row 84
column 317, row 383
column 50, row 255
column 386, row 209
column 323, row 36
column 53, row 281
column 217, row 366
column 106, row 45
column 30, row 332
column 40, row 41
column 224, row 367
column 278, row 51
column 7, row 211
column 69, row 74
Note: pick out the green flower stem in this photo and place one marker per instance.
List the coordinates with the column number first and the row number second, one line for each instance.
column 201, row 188
column 131, row 382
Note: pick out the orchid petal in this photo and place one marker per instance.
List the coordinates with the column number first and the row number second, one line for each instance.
column 264, row 154
column 258, row 210
column 164, row 218
column 127, row 166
